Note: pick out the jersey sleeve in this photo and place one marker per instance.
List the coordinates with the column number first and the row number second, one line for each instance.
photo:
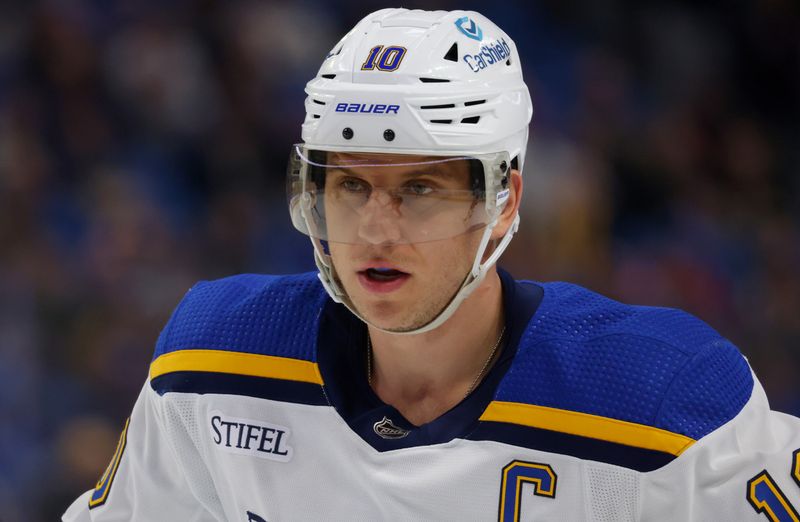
column 746, row 470
column 155, row 472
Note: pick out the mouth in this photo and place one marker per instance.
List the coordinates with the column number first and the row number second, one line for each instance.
column 382, row 279
column 383, row 274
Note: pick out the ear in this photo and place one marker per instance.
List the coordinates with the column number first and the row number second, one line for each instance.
column 512, row 205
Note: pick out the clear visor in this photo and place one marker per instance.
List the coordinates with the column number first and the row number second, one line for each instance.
column 386, row 198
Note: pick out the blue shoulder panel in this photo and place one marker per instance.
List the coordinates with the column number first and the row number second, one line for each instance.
column 654, row 366
column 710, row 390
column 260, row 314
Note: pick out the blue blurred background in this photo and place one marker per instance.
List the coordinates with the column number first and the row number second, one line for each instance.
column 143, row 147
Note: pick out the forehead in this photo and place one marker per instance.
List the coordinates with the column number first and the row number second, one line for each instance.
column 395, row 166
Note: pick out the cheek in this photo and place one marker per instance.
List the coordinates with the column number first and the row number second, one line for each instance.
column 342, row 257
column 454, row 257
column 337, row 251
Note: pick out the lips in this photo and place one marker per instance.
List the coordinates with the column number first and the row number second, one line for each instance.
column 382, row 279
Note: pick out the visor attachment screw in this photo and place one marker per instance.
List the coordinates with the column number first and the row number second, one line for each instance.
column 347, row 133
column 503, row 166
column 388, row 134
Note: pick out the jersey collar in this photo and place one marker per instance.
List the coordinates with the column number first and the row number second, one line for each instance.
column 341, row 355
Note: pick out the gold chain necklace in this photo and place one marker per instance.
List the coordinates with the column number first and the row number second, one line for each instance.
column 475, row 381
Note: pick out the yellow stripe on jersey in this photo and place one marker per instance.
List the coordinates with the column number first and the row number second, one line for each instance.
column 238, row 363
column 587, row 425
column 796, row 466
column 103, row 486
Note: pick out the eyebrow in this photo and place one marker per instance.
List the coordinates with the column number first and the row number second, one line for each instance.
column 425, row 169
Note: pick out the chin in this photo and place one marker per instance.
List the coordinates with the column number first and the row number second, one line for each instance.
column 398, row 328
column 389, row 316
column 386, row 316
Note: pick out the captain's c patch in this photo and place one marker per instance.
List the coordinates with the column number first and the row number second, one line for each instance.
column 101, row 490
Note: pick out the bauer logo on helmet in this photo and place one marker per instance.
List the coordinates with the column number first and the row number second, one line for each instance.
column 367, row 108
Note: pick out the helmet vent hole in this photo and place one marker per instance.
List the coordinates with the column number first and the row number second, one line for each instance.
column 452, row 53
column 442, row 121
column 508, row 62
column 316, row 116
column 445, row 106
column 433, row 80
column 473, row 102
column 318, row 102
column 329, row 76
column 471, row 119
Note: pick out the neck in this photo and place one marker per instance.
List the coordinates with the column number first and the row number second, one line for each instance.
column 425, row 375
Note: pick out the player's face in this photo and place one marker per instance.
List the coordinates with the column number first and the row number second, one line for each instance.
column 395, row 284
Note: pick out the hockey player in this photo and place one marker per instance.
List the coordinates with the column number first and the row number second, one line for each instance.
column 410, row 379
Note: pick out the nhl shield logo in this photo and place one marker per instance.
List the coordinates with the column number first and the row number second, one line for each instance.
column 386, row 429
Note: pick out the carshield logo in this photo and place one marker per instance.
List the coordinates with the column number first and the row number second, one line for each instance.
column 386, row 429
column 469, row 28
column 491, row 53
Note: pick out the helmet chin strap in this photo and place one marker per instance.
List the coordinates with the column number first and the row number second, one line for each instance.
column 327, row 274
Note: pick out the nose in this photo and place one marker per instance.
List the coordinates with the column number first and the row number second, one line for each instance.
column 379, row 219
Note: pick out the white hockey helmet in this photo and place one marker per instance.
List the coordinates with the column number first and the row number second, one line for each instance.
column 431, row 84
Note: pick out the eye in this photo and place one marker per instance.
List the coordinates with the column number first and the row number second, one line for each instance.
column 354, row 185
column 417, row 188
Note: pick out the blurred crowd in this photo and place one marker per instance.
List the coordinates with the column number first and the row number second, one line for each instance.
column 143, row 147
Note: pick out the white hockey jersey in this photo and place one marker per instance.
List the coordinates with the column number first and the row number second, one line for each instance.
column 257, row 409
